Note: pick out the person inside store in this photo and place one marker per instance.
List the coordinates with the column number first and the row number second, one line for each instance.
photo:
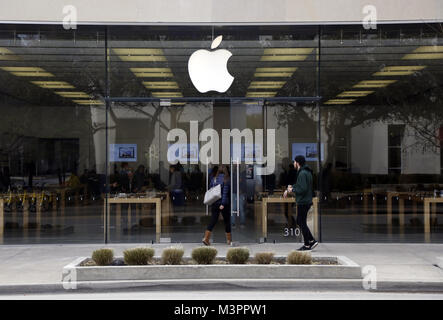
column 94, row 183
column 114, row 180
column 196, row 179
column 73, row 181
column 303, row 189
column 84, row 181
column 175, row 186
column 2, row 182
column 5, row 179
column 139, row 180
column 291, row 179
column 125, row 178
column 221, row 206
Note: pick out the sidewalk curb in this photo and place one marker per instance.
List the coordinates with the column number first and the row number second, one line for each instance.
column 224, row 284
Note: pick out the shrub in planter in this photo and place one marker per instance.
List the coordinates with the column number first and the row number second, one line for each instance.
column 204, row 255
column 264, row 257
column 297, row 257
column 237, row 255
column 103, row 257
column 172, row 255
column 138, row 256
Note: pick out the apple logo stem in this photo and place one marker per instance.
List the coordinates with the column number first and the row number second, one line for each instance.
column 208, row 69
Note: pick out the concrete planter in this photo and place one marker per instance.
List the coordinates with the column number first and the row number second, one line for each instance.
column 344, row 269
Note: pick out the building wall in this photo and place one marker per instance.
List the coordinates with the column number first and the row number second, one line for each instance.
column 369, row 149
column 45, row 122
column 219, row 12
column 419, row 157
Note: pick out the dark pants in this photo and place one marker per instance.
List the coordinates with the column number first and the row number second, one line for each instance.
column 215, row 212
column 302, row 213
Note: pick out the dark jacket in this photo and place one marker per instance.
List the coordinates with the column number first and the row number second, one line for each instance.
column 225, row 190
column 138, row 181
column 124, row 181
column 303, row 186
column 175, row 182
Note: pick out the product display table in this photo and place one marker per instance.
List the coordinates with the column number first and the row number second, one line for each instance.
column 2, row 219
column 427, row 214
column 120, row 201
column 402, row 196
column 266, row 200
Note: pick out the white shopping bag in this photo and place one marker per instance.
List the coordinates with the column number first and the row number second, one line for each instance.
column 212, row 195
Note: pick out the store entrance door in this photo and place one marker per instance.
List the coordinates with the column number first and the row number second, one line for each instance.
column 245, row 117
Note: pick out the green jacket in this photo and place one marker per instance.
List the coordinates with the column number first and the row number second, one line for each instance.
column 303, row 186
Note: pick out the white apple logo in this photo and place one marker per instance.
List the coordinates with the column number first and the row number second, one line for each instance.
column 208, row 69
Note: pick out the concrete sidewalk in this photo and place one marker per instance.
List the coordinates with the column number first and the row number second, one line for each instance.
column 400, row 267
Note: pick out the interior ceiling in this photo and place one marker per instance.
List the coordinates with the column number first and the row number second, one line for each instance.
column 348, row 56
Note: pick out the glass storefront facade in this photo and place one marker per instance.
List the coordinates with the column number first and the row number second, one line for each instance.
column 86, row 113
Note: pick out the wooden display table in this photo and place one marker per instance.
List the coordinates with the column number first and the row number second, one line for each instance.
column 165, row 207
column 264, row 219
column 26, row 199
column 402, row 196
column 427, row 214
column 367, row 193
column 2, row 219
column 120, row 201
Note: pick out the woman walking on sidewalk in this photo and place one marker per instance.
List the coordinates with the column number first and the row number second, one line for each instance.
column 220, row 206
column 303, row 197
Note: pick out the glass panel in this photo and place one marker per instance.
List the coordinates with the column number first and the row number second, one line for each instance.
column 296, row 134
column 143, row 172
column 52, row 156
column 247, row 183
column 381, row 131
column 188, row 216
column 395, row 135
column 383, row 87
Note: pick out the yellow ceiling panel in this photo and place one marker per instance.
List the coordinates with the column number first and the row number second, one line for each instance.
column 374, row 83
column 355, row 93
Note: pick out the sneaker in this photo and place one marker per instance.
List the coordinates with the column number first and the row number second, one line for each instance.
column 313, row 244
column 304, row 248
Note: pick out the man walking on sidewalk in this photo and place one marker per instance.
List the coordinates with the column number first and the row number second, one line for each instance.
column 303, row 195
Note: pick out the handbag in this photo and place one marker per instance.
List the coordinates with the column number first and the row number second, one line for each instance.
column 212, row 195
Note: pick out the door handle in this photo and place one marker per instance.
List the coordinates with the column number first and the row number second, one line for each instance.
column 238, row 188
column 232, row 211
column 207, row 185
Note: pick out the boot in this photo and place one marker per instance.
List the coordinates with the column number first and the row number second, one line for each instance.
column 205, row 240
column 228, row 238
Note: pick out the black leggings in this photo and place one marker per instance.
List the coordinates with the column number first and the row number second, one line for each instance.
column 302, row 214
column 215, row 212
